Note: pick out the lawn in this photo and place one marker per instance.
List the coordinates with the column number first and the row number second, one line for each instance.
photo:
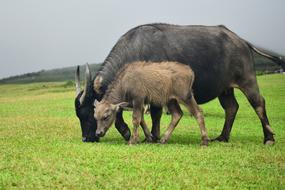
column 41, row 148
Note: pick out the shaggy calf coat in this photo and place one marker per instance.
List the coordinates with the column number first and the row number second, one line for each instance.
column 140, row 83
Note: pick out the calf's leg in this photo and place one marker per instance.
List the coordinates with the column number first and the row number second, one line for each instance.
column 176, row 114
column 137, row 114
column 145, row 129
column 197, row 113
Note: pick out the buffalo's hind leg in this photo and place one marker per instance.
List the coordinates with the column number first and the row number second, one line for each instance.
column 230, row 105
column 251, row 91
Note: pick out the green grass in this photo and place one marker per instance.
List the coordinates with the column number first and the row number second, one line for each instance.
column 41, row 148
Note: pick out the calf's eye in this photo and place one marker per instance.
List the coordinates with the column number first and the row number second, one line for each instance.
column 106, row 118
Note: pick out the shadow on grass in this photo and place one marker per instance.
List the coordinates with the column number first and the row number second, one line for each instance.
column 191, row 140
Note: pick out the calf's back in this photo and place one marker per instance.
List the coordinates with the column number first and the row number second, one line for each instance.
column 157, row 83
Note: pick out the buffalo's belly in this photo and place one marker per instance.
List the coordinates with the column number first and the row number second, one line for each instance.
column 210, row 83
column 204, row 93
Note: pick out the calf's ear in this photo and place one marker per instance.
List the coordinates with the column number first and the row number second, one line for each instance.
column 121, row 105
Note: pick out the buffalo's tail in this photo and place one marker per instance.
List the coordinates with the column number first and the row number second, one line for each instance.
column 275, row 59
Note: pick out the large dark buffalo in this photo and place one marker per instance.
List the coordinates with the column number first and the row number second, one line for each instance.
column 220, row 59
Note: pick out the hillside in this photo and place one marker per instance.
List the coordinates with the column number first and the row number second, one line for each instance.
column 54, row 75
column 262, row 65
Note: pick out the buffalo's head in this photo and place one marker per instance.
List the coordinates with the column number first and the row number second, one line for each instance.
column 84, row 107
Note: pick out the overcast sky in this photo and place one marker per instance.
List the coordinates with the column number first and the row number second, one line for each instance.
column 38, row 34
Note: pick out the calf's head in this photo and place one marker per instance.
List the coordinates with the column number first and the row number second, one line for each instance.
column 105, row 114
column 84, row 107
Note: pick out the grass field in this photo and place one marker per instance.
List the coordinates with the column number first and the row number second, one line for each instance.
column 41, row 148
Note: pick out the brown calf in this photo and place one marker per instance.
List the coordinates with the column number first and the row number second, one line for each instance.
column 140, row 83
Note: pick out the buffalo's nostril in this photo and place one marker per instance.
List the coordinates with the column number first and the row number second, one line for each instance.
column 84, row 139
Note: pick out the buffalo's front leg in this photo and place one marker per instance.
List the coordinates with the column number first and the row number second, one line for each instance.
column 121, row 126
column 155, row 113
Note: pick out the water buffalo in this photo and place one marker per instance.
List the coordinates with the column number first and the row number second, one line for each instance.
column 219, row 58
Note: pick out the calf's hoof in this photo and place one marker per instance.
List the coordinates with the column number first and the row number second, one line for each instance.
column 205, row 142
column 130, row 143
column 163, row 141
column 133, row 141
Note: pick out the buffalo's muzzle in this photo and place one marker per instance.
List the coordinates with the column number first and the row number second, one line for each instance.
column 90, row 139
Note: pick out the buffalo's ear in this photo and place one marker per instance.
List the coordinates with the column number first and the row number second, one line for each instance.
column 121, row 105
column 97, row 84
column 95, row 103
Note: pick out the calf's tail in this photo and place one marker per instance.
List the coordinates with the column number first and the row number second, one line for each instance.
column 275, row 59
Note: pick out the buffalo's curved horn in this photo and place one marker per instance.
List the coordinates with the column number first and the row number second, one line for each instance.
column 87, row 83
column 77, row 81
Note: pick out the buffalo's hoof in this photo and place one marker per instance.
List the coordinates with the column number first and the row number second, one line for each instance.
column 152, row 140
column 148, row 140
column 155, row 139
column 269, row 142
column 90, row 139
column 127, row 135
column 220, row 139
